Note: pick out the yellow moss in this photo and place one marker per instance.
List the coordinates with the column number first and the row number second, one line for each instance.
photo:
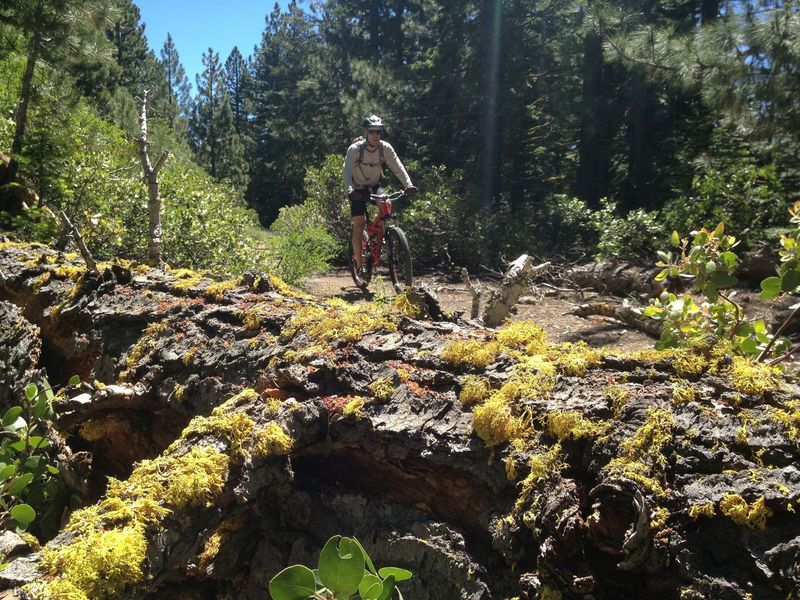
column 95, row 429
column 683, row 393
column 272, row 440
column 272, row 406
column 286, row 290
column 618, row 396
column 570, row 424
column 235, row 427
column 382, row 388
column 189, row 355
column 535, row 377
column 471, row 353
column 575, row 359
column 642, row 455
column 192, row 479
column 789, row 418
column 474, row 390
column 542, row 467
column 524, row 336
column 689, row 361
column 354, row 408
column 406, row 307
column 180, row 392
column 145, row 344
column 658, row 517
column 511, row 467
column 39, row 282
column 69, row 272
column 217, row 290
column 549, row 594
column 743, row 432
column 218, row 539
column 186, row 279
column 305, row 354
column 706, row 509
column 32, row 541
column 751, row 377
column 57, row 589
column 753, row 515
column 339, row 321
column 494, row 422
column 254, row 316
column 100, row 564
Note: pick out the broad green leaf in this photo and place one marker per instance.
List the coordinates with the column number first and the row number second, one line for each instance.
column 399, row 574
column 38, row 442
column 371, row 587
column 74, row 380
column 719, row 230
column 341, row 565
column 729, row 259
column 19, row 446
column 770, row 288
column 52, row 470
column 662, row 275
column 43, row 409
column 388, row 588
column 790, row 280
column 31, row 391
column 367, row 559
column 32, row 462
column 675, row 239
column 11, row 415
column 48, row 392
column 20, row 484
column 23, row 514
column 7, row 472
column 293, row 583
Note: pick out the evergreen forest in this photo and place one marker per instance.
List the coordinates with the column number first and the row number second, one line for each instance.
column 561, row 128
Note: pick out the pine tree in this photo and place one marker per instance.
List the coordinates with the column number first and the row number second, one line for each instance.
column 216, row 144
column 176, row 79
column 237, row 83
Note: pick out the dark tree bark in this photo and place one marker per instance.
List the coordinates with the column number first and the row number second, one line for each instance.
column 647, row 476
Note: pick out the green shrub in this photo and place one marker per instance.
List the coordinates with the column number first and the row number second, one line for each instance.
column 299, row 244
column 632, row 237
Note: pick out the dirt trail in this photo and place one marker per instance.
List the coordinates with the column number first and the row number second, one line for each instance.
column 545, row 305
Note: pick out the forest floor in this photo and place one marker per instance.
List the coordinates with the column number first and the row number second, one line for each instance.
column 546, row 305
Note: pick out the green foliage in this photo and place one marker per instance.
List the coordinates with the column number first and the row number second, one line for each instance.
column 299, row 244
column 28, row 482
column 708, row 260
column 345, row 570
column 631, row 237
column 788, row 278
column 324, row 191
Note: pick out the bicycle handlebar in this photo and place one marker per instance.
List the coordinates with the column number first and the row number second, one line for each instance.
column 373, row 198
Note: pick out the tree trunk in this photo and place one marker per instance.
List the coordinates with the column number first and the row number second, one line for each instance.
column 271, row 422
column 21, row 115
column 154, row 198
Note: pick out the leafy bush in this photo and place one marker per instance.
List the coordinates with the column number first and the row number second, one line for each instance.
column 299, row 244
column 746, row 197
column 345, row 569
column 28, row 482
column 324, row 189
column 633, row 237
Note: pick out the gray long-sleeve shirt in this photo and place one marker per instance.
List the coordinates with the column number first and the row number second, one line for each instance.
column 368, row 172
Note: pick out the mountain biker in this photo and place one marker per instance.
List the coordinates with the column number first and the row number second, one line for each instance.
column 363, row 169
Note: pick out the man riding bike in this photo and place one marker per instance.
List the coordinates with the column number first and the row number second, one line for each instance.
column 363, row 169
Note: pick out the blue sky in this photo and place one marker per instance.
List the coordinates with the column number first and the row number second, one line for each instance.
column 197, row 24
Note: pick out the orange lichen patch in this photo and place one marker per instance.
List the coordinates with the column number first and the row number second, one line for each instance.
column 416, row 388
column 336, row 404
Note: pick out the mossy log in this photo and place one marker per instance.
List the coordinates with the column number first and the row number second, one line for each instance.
column 243, row 424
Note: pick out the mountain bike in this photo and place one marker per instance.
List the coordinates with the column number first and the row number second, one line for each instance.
column 376, row 235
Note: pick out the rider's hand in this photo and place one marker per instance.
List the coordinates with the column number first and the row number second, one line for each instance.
column 410, row 191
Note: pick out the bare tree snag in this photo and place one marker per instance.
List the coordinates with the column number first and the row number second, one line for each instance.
column 475, row 291
column 154, row 198
column 515, row 282
column 70, row 227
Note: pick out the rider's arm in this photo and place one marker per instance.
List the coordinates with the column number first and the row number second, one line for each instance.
column 395, row 165
column 347, row 170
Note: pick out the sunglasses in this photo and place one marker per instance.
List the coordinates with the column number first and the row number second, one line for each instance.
column 378, row 131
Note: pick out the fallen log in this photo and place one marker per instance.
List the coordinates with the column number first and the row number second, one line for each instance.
column 515, row 283
column 249, row 426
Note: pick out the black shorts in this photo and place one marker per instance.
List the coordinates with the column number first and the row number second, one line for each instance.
column 358, row 206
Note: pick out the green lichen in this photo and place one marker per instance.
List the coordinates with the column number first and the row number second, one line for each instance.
column 575, row 359
column 543, row 465
column 683, row 393
column 524, row 336
column 145, row 344
column 618, row 396
column 471, row 353
column 272, row 440
column 217, row 290
column 495, row 423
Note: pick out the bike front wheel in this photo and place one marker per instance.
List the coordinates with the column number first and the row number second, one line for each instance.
column 399, row 259
column 363, row 276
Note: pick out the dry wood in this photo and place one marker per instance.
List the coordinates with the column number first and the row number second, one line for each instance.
column 475, row 291
column 87, row 257
column 625, row 313
column 515, row 282
column 154, row 198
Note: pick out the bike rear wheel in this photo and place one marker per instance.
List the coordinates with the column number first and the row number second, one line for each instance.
column 362, row 278
column 399, row 259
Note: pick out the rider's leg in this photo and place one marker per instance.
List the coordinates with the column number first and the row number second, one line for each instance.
column 358, row 232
